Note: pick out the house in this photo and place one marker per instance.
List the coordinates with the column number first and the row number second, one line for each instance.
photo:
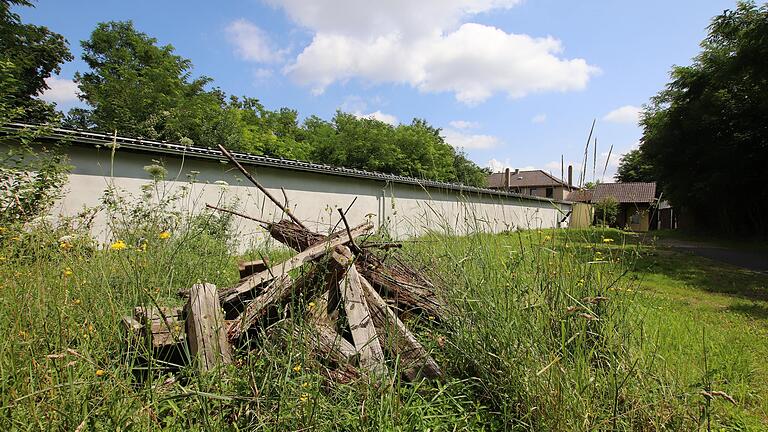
column 636, row 200
column 535, row 183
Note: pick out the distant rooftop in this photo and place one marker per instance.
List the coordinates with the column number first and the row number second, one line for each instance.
column 520, row 179
column 633, row 192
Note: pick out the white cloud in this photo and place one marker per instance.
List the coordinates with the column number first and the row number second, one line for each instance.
column 539, row 118
column 465, row 141
column 378, row 115
column 252, row 43
column 625, row 114
column 61, row 90
column 463, row 124
column 428, row 45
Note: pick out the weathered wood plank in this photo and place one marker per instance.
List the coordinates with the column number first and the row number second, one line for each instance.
column 359, row 317
column 247, row 268
column 205, row 327
column 310, row 254
column 395, row 337
column 275, row 293
column 165, row 325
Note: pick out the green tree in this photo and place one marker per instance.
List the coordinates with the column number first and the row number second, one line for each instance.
column 141, row 89
column 606, row 211
column 706, row 133
column 30, row 54
column 634, row 166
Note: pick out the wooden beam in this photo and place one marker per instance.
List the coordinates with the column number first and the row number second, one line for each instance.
column 205, row 327
column 275, row 293
column 395, row 337
column 358, row 316
column 247, row 268
column 296, row 261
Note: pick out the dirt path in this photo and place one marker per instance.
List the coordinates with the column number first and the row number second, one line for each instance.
column 748, row 259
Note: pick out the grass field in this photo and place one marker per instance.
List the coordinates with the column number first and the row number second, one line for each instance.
column 527, row 341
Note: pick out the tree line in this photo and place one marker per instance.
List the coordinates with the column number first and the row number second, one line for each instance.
column 705, row 136
column 140, row 88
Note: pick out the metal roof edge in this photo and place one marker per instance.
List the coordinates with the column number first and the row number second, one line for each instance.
column 138, row 144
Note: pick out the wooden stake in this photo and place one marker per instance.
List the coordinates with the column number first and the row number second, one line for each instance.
column 205, row 327
column 359, row 316
column 398, row 340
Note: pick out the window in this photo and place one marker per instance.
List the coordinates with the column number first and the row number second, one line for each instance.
column 532, row 191
column 635, row 219
column 550, row 192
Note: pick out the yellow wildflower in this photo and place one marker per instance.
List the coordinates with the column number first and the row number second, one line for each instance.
column 76, row 301
column 305, row 385
column 311, row 304
column 65, row 246
column 67, row 271
column 100, row 372
column 547, row 238
column 297, row 368
column 118, row 245
column 304, row 397
column 607, row 240
column 164, row 235
column 3, row 229
column 90, row 328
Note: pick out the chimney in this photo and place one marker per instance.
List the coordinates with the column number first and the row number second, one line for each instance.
column 507, row 179
column 517, row 171
column 570, row 175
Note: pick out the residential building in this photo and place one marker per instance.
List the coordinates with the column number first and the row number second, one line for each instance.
column 535, row 183
column 636, row 200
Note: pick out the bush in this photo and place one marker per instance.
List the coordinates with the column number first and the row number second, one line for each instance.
column 606, row 211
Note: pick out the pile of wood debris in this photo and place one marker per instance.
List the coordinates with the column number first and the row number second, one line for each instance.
column 353, row 300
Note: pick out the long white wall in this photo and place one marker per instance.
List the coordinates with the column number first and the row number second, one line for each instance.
column 404, row 210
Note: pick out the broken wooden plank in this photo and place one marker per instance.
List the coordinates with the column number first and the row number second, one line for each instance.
column 395, row 337
column 275, row 293
column 247, row 268
column 165, row 325
column 358, row 316
column 310, row 254
column 205, row 327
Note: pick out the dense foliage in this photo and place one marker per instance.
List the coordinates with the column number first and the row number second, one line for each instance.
column 635, row 167
column 141, row 89
column 706, row 134
column 29, row 54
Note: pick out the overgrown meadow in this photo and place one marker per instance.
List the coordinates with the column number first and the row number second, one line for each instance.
column 545, row 330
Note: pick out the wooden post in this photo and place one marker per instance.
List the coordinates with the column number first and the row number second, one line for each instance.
column 359, row 317
column 398, row 340
column 206, row 328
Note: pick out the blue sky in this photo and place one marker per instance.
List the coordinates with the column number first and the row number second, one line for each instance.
column 513, row 82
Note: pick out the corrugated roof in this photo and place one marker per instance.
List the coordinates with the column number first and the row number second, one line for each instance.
column 635, row 192
column 137, row 144
column 534, row 178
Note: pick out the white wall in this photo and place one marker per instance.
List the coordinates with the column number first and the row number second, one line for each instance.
column 404, row 210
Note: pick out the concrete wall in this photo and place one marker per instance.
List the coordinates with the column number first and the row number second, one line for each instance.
column 404, row 210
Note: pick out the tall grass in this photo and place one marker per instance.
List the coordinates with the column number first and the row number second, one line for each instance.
column 539, row 334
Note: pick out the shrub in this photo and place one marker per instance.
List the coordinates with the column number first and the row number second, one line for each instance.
column 606, row 211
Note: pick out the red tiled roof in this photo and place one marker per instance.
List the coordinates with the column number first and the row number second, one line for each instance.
column 584, row 195
column 625, row 192
column 535, row 178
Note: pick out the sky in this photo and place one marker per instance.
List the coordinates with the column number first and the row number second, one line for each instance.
column 513, row 83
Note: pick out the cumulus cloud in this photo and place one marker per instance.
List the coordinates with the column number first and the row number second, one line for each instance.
column 61, row 90
column 539, row 118
column 625, row 114
column 461, row 140
column 463, row 124
column 252, row 43
column 428, row 45
column 378, row 115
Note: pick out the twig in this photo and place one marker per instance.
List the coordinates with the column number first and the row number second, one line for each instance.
column 256, row 183
column 352, row 245
column 238, row 214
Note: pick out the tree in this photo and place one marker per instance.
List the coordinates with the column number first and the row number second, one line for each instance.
column 30, row 54
column 634, row 166
column 606, row 211
column 706, row 134
column 141, row 89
